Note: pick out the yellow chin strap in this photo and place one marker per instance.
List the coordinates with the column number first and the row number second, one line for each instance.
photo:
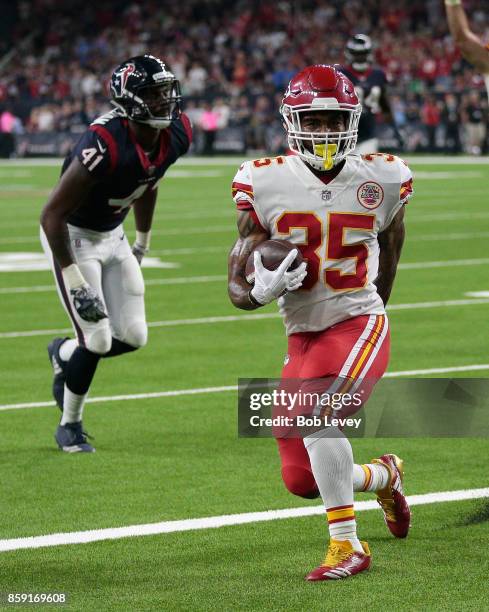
column 326, row 152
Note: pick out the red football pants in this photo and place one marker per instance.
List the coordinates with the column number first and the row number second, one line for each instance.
column 355, row 348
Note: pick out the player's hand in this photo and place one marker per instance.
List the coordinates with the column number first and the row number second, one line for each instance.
column 271, row 284
column 139, row 252
column 88, row 304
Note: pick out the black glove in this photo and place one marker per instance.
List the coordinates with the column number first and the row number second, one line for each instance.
column 88, row 304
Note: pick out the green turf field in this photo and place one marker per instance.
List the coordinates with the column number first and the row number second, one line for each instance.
column 178, row 456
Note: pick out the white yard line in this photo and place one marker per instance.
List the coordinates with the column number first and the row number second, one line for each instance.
column 477, row 294
column 250, row 317
column 228, row 388
column 440, row 237
column 448, row 237
column 230, row 227
column 438, row 176
column 447, row 216
column 176, row 231
column 214, row 522
column 425, row 265
column 188, row 280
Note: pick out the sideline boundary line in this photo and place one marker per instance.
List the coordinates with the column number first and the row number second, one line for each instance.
column 213, row 522
column 412, row 158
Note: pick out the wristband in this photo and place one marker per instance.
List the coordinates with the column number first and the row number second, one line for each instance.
column 252, row 299
column 142, row 239
column 73, row 277
column 453, row 2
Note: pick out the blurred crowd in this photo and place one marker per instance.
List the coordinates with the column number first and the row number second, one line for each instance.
column 234, row 61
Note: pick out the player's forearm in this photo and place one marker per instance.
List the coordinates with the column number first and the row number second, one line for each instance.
column 238, row 287
column 144, row 210
column 457, row 21
column 390, row 243
column 56, row 231
column 468, row 43
column 385, row 279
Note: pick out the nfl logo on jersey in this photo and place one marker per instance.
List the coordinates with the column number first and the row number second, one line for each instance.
column 326, row 195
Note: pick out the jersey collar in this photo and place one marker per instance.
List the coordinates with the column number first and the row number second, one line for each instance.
column 164, row 142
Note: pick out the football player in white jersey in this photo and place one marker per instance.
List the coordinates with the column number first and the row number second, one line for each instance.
column 345, row 213
column 472, row 49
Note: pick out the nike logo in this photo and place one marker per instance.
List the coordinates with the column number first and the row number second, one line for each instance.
column 56, row 367
column 101, row 147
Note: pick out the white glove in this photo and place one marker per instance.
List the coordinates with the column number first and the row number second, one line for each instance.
column 271, row 284
column 139, row 252
column 141, row 246
column 85, row 299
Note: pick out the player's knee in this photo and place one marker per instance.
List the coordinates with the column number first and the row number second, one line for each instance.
column 99, row 341
column 137, row 334
column 300, row 481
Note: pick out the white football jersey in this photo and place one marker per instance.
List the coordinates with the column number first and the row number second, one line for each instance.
column 334, row 225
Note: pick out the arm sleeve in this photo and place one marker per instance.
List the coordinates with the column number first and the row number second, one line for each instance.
column 405, row 191
column 242, row 188
column 406, row 188
column 95, row 150
column 181, row 135
column 243, row 195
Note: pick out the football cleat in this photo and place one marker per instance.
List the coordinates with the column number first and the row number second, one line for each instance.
column 58, row 369
column 342, row 561
column 72, row 439
column 392, row 500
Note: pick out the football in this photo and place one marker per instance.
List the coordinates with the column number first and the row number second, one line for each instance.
column 273, row 252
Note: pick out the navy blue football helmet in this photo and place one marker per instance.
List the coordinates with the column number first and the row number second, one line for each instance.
column 146, row 91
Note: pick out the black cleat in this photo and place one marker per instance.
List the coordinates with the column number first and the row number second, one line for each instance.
column 59, row 370
column 72, row 439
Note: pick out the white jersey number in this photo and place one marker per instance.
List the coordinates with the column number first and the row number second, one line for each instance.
column 122, row 203
column 372, row 101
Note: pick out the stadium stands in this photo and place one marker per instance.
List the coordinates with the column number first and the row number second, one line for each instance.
column 233, row 60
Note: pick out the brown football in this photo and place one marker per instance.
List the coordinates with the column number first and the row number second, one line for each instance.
column 273, row 252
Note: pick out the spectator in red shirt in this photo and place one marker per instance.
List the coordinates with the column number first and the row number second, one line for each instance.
column 430, row 116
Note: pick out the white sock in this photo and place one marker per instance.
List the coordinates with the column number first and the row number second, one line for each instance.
column 370, row 477
column 331, row 458
column 67, row 348
column 72, row 407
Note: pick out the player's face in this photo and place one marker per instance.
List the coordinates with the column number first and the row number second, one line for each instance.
column 158, row 99
column 323, row 122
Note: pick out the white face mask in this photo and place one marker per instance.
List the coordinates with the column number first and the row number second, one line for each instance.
column 322, row 150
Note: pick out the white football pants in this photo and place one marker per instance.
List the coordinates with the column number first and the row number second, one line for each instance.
column 108, row 265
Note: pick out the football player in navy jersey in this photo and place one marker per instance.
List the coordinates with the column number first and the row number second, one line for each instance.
column 115, row 166
column 371, row 86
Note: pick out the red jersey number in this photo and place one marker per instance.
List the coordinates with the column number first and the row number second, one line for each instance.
column 336, row 248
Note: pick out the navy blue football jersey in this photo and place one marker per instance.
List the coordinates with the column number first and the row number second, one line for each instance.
column 110, row 152
column 370, row 86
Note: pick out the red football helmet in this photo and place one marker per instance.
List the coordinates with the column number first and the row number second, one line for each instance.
column 321, row 88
